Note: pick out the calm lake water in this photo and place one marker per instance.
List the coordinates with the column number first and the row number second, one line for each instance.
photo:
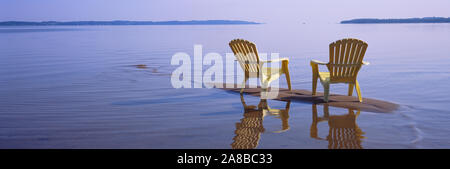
column 77, row 87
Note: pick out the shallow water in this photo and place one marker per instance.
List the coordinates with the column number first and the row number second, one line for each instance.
column 79, row 87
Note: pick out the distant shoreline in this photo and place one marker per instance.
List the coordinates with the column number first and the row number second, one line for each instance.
column 394, row 21
column 119, row 22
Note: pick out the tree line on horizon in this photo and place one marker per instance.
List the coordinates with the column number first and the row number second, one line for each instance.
column 407, row 20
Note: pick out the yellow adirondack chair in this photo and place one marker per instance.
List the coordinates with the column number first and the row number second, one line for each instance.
column 247, row 56
column 346, row 58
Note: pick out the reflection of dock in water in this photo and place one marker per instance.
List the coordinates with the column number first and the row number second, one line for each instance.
column 250, row 127
column 343, row 132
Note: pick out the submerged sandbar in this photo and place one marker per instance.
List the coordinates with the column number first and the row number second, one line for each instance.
column 335, row 100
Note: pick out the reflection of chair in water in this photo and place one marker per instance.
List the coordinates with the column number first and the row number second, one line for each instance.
column 343, row 132
column 250, row 127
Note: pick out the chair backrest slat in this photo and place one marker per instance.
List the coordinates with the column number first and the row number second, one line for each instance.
column 353, row 52
column 246, row 54
column 346, row 58
column 332, row 53
column 341, row 57
column 348, row 47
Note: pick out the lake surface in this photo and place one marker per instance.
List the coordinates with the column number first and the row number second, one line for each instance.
column 78, row 87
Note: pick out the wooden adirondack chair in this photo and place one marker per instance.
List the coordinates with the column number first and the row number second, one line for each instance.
column 346, row 58
column 248, row 58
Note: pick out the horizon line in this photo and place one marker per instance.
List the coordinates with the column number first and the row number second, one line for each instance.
column 128, row 22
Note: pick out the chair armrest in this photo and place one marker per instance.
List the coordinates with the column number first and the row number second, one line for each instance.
column 365, row 63
column 318, row 62
column 274, row 60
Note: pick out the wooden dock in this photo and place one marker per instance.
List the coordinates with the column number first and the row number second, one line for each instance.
column 335, row 100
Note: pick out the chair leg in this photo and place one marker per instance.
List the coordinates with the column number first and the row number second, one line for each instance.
column 264, row 89
column 350, row 89
column 315, row 72
column 243, row 84
column 358, row 90
column 326, row 88
column 288, row 80
column 286, row 73
column 314, row 85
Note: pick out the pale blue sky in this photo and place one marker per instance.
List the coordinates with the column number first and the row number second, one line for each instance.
column 269, row 11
